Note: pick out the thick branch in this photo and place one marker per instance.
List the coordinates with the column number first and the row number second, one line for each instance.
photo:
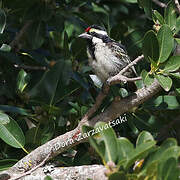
column 95, row 172
column 74, row 137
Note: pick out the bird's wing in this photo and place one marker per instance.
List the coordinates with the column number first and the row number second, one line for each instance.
column 121, row 54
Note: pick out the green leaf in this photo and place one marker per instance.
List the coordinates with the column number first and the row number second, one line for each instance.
column 12, row 134
column 177, row 40
column 53, row 85
column 147, row 78
column 167, row 150
column 66, row 46
column 2, row 21
column 143, row 137
column 170, row 15
column 48, row 178
column 125, row 147
column 172, row 64
column 164, row 81
column 178, row 91
column 98, row 146
column 166, row 42
column 176, row 75
column 14, row 109
column 118, row 176
column 109, row 137
column 22, row 80
column 130, row 1
column 170, row 169
column 140, row 152
column 157, row 17
column 36, row 34
column 5, row 48
column 147, row 5
column 162, row 103
column 7, row 163
column 168, row 143
column 4, row 118
column 150, row 46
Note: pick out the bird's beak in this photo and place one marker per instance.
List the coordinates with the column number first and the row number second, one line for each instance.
column 85, row 36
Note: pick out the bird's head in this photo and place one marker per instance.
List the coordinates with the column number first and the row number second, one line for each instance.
column 94, row 31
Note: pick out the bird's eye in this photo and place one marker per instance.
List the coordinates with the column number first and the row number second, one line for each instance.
column 92, row 33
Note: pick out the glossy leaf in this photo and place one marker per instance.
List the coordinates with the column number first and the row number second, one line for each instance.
column 150, row 46
column 53, row 84
column 99, row 147
column 22, row 80
column 4, row 118
column 5, row 48
column 167, row 150
column 157, row 17
column 109, row 137
column 66, row 45
column 12, row 134
column 172, row 64
column 36, row 34
column 175, row 75
column 170, row 15
column 14, row 109
column 7, row 163
column 143, row 137
column 177, row 40
column 140, row 152
column 164, row 81
column 166, row 43
column 162, row 103
column 147, row 78
column 147, row 5
column 2, row 20
column 170, row 169
column 125, row 147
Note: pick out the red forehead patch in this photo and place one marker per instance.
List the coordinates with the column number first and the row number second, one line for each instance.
column 87, row 30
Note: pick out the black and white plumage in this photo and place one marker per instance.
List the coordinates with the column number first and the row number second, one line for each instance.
column 106, row 56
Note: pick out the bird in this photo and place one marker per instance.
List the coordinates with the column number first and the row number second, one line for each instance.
column 106, row 56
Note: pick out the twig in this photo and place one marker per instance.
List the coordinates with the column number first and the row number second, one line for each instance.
column 30, row 67
column 160, row 3
column 119, row 77
column 139, row 58
column 101, row 96
column 177, row 5
column 15, row 42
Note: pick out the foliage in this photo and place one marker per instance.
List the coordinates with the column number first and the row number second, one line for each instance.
column 46, row 87
column 145, row 161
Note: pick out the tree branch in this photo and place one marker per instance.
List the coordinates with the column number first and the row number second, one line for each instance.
column 30, row 67
column 15, row 43
column 95, row 172
column 74, row 137
column 160, row 3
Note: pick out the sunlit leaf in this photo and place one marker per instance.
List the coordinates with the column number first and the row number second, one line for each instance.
column 2, row 20
column 12, row 134
column 4, row 118
column 150, row 46
column 164, row 81
column 166, row 42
